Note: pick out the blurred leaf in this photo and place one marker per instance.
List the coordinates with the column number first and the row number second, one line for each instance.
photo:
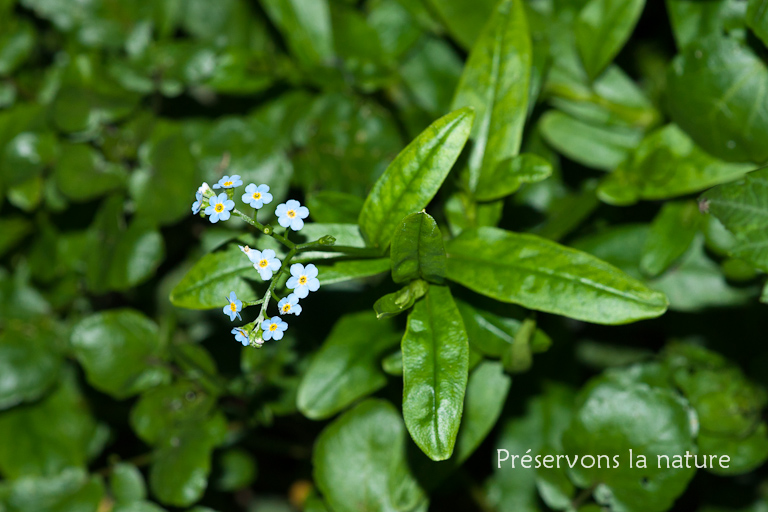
column 359, row 462
column 742, row 207
column 714, row 95
column 510, row 174
column 27, row 154
column 70, row 490
column 127, row 483
column 435, row 365
column 306, row 27
column 414, row 177
column 37, row 448
column 694, row 20
column 602, row 28
column 342, row 271
column 12, row 231
column 757, row 18
column 465, row 19
column 82, row 173
column 671, row 233
column 334, row 207
column 120, row 351
column 238, row 470
column 29, row 364
column 179, row 472
column 745, row 454
column 16, row 43
column 417, row 250
column 598, row 146
column 346, row 368
column 606, row 423
column 463, row 212
column 666, row 164
column 431, row 72
column 544, row 275
column 495, row 83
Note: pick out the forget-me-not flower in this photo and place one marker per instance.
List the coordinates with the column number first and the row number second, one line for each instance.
column 303, row 280
column 198, row 202
column 273, row 328
column 229, row 182
column 219, row 208
column 289, row 305
column 205, row 190
column 256, row 197
column 234, row 307
column 265, row 262
column 291, row 214
column 241, row 335
column 249, row 252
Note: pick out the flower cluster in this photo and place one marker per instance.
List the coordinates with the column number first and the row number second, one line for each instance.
column 301, row 279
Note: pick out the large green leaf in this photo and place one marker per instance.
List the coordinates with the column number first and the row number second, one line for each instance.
column 694, row 20
column 666, row 164
column 607, row 422
column 417, row 250
column 180, row 468
column 543, row 275
column 127, row 483
column 495, row 82
column 50, row 435
column 359, row 462
column 71, row 490
column 509, row 175
column 742, row 207
column 671, row 233
column 347, row 270
column 306, row 26
column 715, row 91
column 602, row 27
column 120, row 351
column 346, row 367
column 29, row 364
column 415, row 176
column 435, row 364
column 465, row 19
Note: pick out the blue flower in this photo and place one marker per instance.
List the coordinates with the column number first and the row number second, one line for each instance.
column 273, row 328
column 229, row 182
column 257, row 197
column 234, row 307
column 291, row 214
column 303, row 280
column 249, row 252
column 198, row 202
column 219, row 208
column 265, row 262
column 241, row 335
column 289, row 305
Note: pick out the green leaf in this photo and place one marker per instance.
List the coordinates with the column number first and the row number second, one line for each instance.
column 29, row 364
column 16, row 44
column 435, row 364
column 417, row 250
column 495, row 82
column 692, row 21
column 12, row 231
column 509, row 175
column 179, row 472
column 83, row 174
column 492, row 334
column 402, row 300
column 757, row 18
column 670, row 236
column 346, row 368
column 211, row 279
column 359, row 461
column 306, row 26
column 331, row 207
column 431, row 71
column 127, row 483
column 163, row 410
column 238, row 470
column 414, row 177
column 742, row 207
column 714, row 94
column 120, row 351
column 543, row 275
column 465, row 19
column 666, row 164
column 70, row 490
column 348, row 270
column 38, row 449
column 746, row 453
column 602, row 28
column 601, row 147
column 606, row 423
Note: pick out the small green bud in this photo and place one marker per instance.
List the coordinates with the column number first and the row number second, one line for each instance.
column 327, row 240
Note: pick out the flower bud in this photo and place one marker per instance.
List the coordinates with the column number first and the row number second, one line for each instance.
column 327, row 240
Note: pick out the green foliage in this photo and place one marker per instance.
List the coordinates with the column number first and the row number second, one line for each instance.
column 564, row 192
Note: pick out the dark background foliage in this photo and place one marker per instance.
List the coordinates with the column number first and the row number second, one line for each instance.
column 114, row 397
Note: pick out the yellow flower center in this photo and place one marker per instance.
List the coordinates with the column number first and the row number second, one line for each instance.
column 273, row 327
column 291, row 213
column 257, row 195
column 227, row 183
column 219, row 207
column 286, row 308
column 303, row 280
column 263, row 263
column 233, row 306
